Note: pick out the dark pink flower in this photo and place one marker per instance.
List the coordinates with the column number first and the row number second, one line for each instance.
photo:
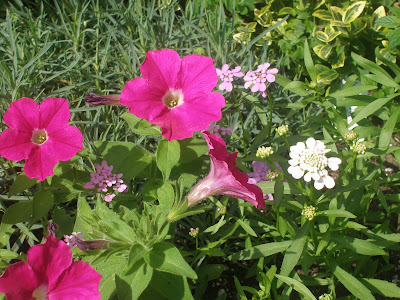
column 50, row 274
column 175, row 93
column 224, row 178
column 39, row 134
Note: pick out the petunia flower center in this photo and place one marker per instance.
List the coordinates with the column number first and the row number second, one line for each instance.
column 40, row 293
column 173, row 98
column 39, row 136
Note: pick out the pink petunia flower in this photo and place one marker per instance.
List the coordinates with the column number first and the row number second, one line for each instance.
column 40, row 134
column 256, row 79
column 226, row 76
column 224, row 178
column 50, row 274
column 175, row 93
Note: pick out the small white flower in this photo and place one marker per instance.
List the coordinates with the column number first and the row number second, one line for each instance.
column 309, row 160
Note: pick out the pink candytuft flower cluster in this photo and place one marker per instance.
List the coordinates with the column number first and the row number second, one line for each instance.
column 224, row 177
column 71, row 240
column 174, row 93
column 219, row 130
column 50, row 274
column 40, row 134
column 226, row 76
column 105, row 181
column 257, row 79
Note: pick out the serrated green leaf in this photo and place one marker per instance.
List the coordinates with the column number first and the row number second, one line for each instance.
column 166, row 258
column 297, row 285
column 394, row 39
column 260, row 251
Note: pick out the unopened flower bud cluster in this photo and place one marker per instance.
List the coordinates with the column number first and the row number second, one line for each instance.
column 263, row 152
column 222, row 210
column 358, row 147
column 194, row 232
column 325, row 297
column 105, row 181
column 282, row 130
column 309, row 212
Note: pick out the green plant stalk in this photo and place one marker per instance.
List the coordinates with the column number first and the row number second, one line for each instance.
column 241, row 123
column 271, row 107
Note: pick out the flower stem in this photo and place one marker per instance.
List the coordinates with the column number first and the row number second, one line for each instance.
column 271, row 106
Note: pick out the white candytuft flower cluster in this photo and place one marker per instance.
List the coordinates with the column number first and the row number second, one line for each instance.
column 309, row 160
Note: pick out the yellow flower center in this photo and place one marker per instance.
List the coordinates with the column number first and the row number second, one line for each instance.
column 40, row 293
column 39, row 136
column 173, row 98
column 314, row 160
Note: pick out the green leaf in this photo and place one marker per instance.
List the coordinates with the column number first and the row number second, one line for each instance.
column 323, row 51
column 297, row 87
column 323, row 15
column 239, row 289
column 327, row 77
column 42, row 203
column 382, row 287
column 297, row 285
column 295, row 250
column 352, row 91
column 18, row 212
column 387, row 129
column 246, row 227
column 168, row 154
column 278, row 190
column 394, row 39
column 131, row 284
column 352, row 284
column 20, row 184
column 7, row 254
column 336, row 213
column 309, row 62
column 260, row 251
column 166, row 258
column 371, row 108
column 136, row 253
column 210, row 272
column 358, row 245
column 353, row 11
column 322, row 36
column 268, row 187
column 166, row 196
column 140, row 126
column 388, row 22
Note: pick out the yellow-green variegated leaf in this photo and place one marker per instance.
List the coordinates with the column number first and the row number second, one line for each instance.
column 287, row 11
column 378, row 13
column 339, row 61
column 357, row 26
column 263, row 16
column 323, row 15
column 339, row 24
column 353, row 11
column 322, row 36
column 327, row 77
column 337, row 13
column 323, row 51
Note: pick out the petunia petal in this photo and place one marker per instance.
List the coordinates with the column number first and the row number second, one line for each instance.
column 15, row 145
column 79, row 281
column 54, row 114
column 23, row 115
column 18, row 281
column 49, row 260
column 40, row 163
column 65, row 143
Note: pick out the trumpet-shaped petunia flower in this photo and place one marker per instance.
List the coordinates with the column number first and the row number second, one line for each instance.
column 224, row 178
column 309, row 160
column 175, row 93
column 226, row 76
column 40, row 134
column 50, row 274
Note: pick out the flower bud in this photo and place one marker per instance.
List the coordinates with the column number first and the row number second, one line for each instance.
column 263, row 152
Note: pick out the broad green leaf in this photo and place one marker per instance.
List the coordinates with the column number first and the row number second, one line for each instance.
column 210, row 272
column 84, row 217
column 297, row 285
column 168, row 154
column 6, row 230
column 140, row 126
column 18, row 212
column 21, row 183
column 394, row 38
column 322, row 36
column 297, row 87
column 295, row 250
column 246, row 227
column 371, row 108
column 358, row 245
column 382, row 287
column 336, row 213
column 309, row 62
column 131, row 284
column 260, row 251
column 353, row 11
column 336, row 12
column 382, row 80
column 166, row 258
column 268, row 187
column 287, row 11
column 387, row 129
column 352, row 91
column 7, row 254
column 352, row 284
column 323, row 15
column 136, row 253
column 166, row 196
column 323, row 51
column 327, row 77
column 191, row 149
column 42, row 203
column 388, row 22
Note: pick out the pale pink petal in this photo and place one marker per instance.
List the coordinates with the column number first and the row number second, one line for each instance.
column 18, row 281
column 161, row 69
column 268, row 197
column 142, row 100
column 23, row 115
column 270, row 78
column 247, row 84
column 225, row 68
column 229, row 87
column 49, row 260
column 40, row 163
column 197, row 77
column 79, row 281
column 65, row 143
column 15, row 145
column 54, row 114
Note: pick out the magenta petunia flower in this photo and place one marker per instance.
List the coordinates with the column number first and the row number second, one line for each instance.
column 224, row 178
column 39, row 134
column 175, row 93
column 50, row 274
